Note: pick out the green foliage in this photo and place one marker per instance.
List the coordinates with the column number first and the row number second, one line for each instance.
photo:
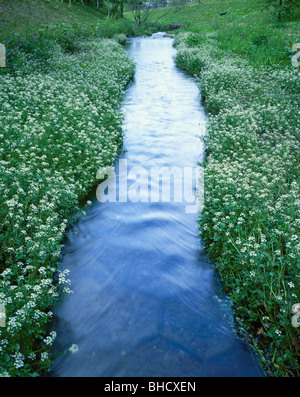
column 282, row 8
column 60, row 122
column 59, row 116
column 250, row 220
column 120, row 38
column 194, row 39
column 248, row 29
column 27, row 16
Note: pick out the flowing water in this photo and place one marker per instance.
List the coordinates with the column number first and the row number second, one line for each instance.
column 146, row 301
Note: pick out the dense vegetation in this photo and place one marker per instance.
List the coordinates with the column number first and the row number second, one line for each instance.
column 60, row 121
column 250, row 221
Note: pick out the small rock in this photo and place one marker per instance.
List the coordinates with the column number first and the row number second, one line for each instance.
column 158, row 34
column 174, row 26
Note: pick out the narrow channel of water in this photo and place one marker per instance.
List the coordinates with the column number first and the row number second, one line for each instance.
column 145, row 296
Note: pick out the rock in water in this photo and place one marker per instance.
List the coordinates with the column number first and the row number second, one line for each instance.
column 158, row 34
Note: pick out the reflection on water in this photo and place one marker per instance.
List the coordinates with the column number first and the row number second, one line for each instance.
column 145, row 296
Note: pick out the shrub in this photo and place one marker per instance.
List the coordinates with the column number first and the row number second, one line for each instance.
column 60, row 123
column 250, row 221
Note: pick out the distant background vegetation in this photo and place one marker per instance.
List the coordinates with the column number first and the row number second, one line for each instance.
column 261, row 30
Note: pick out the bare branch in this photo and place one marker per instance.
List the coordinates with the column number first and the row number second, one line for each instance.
column 142, row 9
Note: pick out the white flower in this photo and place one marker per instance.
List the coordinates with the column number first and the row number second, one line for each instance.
column 5, row 374
column 73, row 349
column 44, row 356
column 19, row 363
column 32, row 356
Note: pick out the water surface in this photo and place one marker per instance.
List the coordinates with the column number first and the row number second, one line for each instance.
column 144, row 299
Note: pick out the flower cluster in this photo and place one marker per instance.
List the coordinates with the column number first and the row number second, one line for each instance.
column 58, row 126
column 251, row 217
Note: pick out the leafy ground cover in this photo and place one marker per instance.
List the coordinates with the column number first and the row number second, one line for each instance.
column 60, row 121
column 26, row 16
column 250, row 221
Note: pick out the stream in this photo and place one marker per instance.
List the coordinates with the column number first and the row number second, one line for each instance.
column 146, row 300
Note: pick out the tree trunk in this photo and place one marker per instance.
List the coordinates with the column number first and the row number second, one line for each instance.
column 122, row 9
column 280, row 8
column 108, row 13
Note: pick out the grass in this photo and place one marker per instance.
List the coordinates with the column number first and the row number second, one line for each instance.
column 250, row 220
column 27, row 16
column 53, row 141
column 248, row 29
column 60, row 122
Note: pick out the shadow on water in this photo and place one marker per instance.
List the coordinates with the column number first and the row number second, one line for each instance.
column 146, row 301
